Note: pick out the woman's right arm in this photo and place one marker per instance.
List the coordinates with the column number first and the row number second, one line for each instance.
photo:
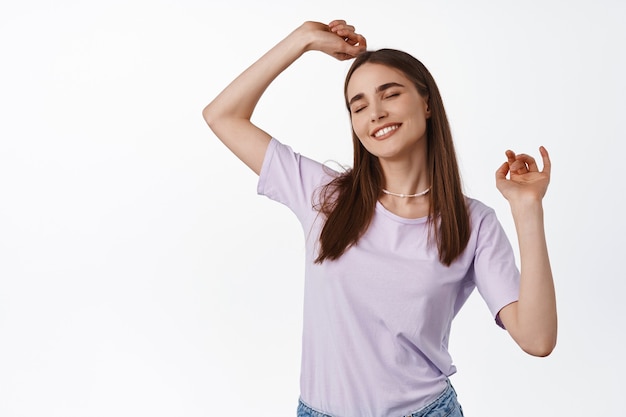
column 228, row 115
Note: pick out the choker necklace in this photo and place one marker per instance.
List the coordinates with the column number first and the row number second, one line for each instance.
column 407, row 195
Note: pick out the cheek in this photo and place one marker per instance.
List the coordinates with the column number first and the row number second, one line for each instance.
column 360, row 127
column 367, row 146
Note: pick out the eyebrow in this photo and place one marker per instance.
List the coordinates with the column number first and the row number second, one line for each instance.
column 380, row 88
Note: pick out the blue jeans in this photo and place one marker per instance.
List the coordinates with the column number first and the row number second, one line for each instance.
column 446, row 405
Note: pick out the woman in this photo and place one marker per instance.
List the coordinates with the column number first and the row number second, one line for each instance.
column 393, row 248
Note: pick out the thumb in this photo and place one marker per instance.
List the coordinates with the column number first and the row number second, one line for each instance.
column 353, row 45
column 502, row 171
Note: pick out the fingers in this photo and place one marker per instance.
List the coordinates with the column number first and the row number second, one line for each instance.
column 502, row 172
column 341, row 28
column 547, row 164
column 523, row 163
column 517, row 163
column 510, row 156
column 347, row 32
column 350, row 49
column 337, row 39
column 360, row 42
column 527, row 162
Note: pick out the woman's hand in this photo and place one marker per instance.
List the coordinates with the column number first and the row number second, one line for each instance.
column 525, row 181
column 337, row 39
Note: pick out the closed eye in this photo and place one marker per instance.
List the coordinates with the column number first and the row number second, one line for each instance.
column 358, row 109
column 392, row 95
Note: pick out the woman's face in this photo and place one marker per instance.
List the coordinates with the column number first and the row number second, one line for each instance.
column 387, row 112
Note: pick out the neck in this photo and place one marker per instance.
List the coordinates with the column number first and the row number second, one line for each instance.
column 400, row 195
column 407, row 178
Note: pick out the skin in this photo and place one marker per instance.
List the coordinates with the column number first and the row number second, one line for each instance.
column 228, row 115
column 532, row 320
column 380, row 97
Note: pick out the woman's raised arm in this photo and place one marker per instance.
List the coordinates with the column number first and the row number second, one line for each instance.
column 228, row 115
column 531, row 321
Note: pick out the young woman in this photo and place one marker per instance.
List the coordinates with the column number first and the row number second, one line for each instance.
column 393, row 247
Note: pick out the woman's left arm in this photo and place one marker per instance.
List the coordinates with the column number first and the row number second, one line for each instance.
column 532, row 320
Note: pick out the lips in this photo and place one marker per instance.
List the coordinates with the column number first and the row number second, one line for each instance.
column 385, row 130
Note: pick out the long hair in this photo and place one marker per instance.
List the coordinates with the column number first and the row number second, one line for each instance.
column 348, row 201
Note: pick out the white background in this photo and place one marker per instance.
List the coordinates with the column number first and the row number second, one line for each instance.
column 141, row 275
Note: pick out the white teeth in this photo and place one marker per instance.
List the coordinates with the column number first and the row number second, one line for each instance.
column 385, row 130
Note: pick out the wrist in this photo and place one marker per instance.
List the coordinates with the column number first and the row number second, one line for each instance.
column 304, row 35
column 526, row 208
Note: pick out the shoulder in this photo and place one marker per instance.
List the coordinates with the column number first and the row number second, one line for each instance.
column 281, row 154
column 478, row 209
column 483, row 218
column 291, row 178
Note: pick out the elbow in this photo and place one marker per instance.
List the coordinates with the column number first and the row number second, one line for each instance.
column 209, row 116
column 216, row 120
column 540, row 347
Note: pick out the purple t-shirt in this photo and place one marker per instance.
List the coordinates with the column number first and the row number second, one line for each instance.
column 377, row 320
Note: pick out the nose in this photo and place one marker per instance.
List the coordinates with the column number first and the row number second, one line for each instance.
column 377, row 112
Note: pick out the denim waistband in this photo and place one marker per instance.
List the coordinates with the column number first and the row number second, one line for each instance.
column 442, row 406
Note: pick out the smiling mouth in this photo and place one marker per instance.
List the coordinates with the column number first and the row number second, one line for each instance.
column 385, row 130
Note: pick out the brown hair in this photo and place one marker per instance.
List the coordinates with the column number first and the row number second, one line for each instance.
column 349, row 200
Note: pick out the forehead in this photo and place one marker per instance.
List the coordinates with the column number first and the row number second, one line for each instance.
column 369, row 76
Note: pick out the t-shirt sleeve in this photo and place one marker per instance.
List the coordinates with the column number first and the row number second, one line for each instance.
column 291, row 179
column 495, row 273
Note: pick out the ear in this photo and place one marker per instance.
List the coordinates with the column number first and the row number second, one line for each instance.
column 427, row 104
